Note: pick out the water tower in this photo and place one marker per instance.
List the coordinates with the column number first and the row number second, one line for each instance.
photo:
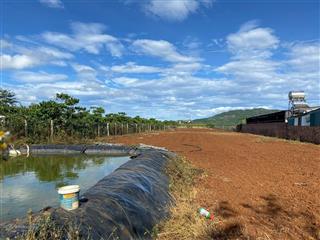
column 297, row 102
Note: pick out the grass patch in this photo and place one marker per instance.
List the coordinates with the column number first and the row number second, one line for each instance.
column 184, row 222
column 43, row 227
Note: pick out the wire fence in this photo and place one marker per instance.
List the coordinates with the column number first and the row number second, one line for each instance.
column 49, row 131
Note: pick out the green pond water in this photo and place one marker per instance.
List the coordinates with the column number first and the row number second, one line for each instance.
column 32, row 182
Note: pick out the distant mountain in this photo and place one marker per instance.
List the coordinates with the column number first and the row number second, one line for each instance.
column 233, row 118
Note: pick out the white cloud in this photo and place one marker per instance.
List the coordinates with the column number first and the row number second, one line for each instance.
column 305, row 56
column 247, row 26
column 182, row 86
column 19, row 57
column 174, row 10
column 175, row 69
column 4, row 44
column 17, row 61
column 81, row 87
column 251, row 69
column 39, row 77
column 88, row 37
column 162, row 49
column 252, row 42
column 185, row 68
column 251, row 48
column 52, row 3
column 52, row 53
column 82, row 68
column 131, row 67
column 86, row 73
column 125, row 81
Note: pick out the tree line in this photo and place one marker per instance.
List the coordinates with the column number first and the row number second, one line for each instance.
column 66, row 117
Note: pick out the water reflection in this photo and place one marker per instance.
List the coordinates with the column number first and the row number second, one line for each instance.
column 61, row 166
column 32, row 182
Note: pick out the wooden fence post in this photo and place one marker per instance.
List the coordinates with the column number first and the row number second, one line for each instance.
column 98, row 130
column 136, row 127
column 108, row 131
column 121, row 128
column 115, row 128
column 127, row 128
column 25, row 128
column 51, row 130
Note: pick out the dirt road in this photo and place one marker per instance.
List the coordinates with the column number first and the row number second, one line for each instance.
column 259, row 188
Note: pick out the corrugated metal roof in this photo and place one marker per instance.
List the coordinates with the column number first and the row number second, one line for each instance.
column 311, row 111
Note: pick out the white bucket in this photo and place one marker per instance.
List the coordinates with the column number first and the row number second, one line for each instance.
column 69, row 197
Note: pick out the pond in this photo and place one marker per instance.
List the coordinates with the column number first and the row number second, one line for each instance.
column 32, row 182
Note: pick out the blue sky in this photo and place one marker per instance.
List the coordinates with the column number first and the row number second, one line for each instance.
column 169, row 59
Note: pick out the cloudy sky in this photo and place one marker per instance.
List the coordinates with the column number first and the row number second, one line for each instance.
column 169, row 59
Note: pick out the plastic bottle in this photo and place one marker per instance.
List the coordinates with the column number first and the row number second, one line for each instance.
column 205, row 213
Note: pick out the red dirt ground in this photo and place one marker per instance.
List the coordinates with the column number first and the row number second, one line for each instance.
column 258, row 187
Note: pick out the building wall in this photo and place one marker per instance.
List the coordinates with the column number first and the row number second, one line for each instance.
column 310, row 119
column 315, row 118
column 305, row 120
column 282, row 130
column 291, row 121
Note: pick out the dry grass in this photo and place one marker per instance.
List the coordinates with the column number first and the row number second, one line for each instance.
column 42, row 227
column 184, row 222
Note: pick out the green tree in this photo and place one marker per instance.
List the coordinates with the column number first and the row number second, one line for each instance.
column 7, row 98
column 97, row 114
column 69, row 119
column 67, row 99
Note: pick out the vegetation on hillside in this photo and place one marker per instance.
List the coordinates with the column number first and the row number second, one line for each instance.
column 232, row 118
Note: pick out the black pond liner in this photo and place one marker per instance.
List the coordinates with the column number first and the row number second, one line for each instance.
column 126, row 204
column 110, row 149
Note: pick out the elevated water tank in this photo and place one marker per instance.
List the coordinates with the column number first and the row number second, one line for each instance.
column 296, row 96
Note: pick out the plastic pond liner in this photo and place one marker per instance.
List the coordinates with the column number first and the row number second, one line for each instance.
column 125, row 204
